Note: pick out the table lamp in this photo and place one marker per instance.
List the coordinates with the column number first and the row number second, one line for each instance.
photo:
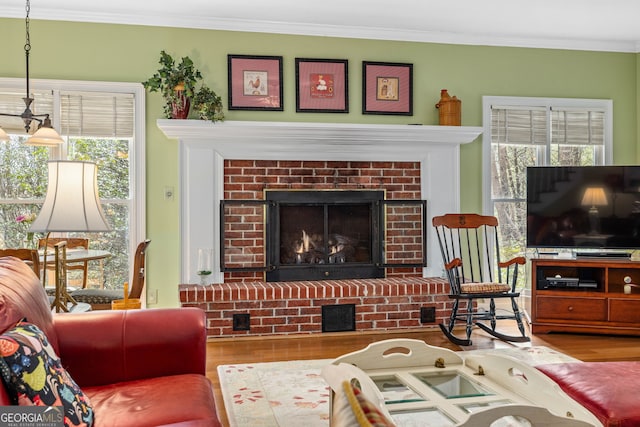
column 71, row 204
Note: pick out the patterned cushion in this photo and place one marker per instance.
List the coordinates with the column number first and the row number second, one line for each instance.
column 33, row 375
column 97, row 296
column 484, row 287
column 352, row 409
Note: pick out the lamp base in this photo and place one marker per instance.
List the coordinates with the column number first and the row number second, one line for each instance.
column 594, row 221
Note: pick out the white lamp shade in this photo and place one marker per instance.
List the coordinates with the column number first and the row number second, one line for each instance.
column 72, row 202
column 594, row 196
column 3, row 135
column 45, row 136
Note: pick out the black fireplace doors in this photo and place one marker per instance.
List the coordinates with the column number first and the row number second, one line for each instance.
column 316, row 235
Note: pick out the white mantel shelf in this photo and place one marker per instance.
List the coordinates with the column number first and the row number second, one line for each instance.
column 305, row 141
column 204, row 146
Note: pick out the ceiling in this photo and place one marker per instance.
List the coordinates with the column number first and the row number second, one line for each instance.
column 601, row 25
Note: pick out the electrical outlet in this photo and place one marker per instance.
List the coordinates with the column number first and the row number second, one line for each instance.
column 168, row 193
column 152, row 296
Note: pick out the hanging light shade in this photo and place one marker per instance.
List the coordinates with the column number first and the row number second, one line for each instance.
column 49, row 136
column 72, row 202
column 45, row 137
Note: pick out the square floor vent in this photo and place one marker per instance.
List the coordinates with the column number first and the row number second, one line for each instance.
column 338, row 318
column 242, row 322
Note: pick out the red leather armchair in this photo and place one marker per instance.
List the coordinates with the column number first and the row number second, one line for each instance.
column 137, row 367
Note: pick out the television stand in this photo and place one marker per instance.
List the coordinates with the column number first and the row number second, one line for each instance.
column 597, row 302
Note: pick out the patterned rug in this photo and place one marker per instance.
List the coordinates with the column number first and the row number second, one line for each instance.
column 294, row 394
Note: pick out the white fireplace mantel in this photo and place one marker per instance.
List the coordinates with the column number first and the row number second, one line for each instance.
column 205, row 145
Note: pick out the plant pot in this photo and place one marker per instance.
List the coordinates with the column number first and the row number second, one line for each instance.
column 180, row 105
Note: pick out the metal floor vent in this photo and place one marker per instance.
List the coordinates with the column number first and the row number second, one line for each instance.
column 338, row 318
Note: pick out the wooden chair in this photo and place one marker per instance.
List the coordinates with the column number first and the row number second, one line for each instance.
column 72, row 243
column 100, row 299
column 466, row 242
column 30, row 256
column 62, row 301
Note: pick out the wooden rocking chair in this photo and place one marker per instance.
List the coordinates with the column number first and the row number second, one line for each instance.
column 466, row 242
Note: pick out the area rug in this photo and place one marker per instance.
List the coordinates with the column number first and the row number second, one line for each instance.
column 294, row 394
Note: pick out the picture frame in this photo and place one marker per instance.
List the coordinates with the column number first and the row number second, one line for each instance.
column 387, row 88
column 255, row 82
column 322, row 85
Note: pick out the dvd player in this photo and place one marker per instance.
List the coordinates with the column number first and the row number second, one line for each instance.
column 568, row 282
column 562, row 282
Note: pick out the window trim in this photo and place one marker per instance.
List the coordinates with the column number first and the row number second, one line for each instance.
column 574, row 103
column 138, row 190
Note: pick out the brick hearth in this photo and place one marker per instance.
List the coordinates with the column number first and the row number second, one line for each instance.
column 282, row 308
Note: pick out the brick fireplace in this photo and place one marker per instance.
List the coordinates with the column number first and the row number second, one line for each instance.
column 242, row 159
column 299, row 183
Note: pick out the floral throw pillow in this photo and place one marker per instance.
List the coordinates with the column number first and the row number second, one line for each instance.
column 33, row 374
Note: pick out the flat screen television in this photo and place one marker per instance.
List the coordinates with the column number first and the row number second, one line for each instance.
column 583, row 207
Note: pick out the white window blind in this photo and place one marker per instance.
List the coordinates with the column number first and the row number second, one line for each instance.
column 577, row 127
column 514, row 125
column 86, row 114
column 528, row 125
column 92, row 114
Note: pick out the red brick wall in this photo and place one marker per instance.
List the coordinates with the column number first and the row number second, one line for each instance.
column 247, row 180
column 281, row 308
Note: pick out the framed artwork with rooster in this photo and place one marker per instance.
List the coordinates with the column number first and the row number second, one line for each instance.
column 255, row 82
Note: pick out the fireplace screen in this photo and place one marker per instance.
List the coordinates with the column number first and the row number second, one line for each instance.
column 303, row 239
column 314, row 235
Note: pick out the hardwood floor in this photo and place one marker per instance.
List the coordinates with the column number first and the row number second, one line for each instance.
column 225, row 351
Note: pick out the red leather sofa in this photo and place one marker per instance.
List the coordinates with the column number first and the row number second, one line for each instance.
column 137, row 367
column 608, row 389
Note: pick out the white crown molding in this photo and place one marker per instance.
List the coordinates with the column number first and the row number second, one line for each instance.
column 359, row 32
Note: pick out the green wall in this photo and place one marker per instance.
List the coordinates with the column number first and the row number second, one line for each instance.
column 84, row 51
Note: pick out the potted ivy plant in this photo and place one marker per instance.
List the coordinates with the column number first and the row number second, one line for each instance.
column 208, row 104
column 177, row 83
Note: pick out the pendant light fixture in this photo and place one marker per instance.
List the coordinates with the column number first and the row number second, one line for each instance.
column 45, row 135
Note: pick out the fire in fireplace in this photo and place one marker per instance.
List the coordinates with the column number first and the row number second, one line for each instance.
column 322, row 234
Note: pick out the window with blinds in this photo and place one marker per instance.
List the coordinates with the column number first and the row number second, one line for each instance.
column 522, row 132
column 100, row 122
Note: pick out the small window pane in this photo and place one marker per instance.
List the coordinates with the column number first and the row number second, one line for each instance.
column 23, row 170
column 509, row 169
column 13, row 233
column 511, row 233
column 112, row 158
column 568, row 155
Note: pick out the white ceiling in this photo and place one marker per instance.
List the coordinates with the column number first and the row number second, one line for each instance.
column 603, row 25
